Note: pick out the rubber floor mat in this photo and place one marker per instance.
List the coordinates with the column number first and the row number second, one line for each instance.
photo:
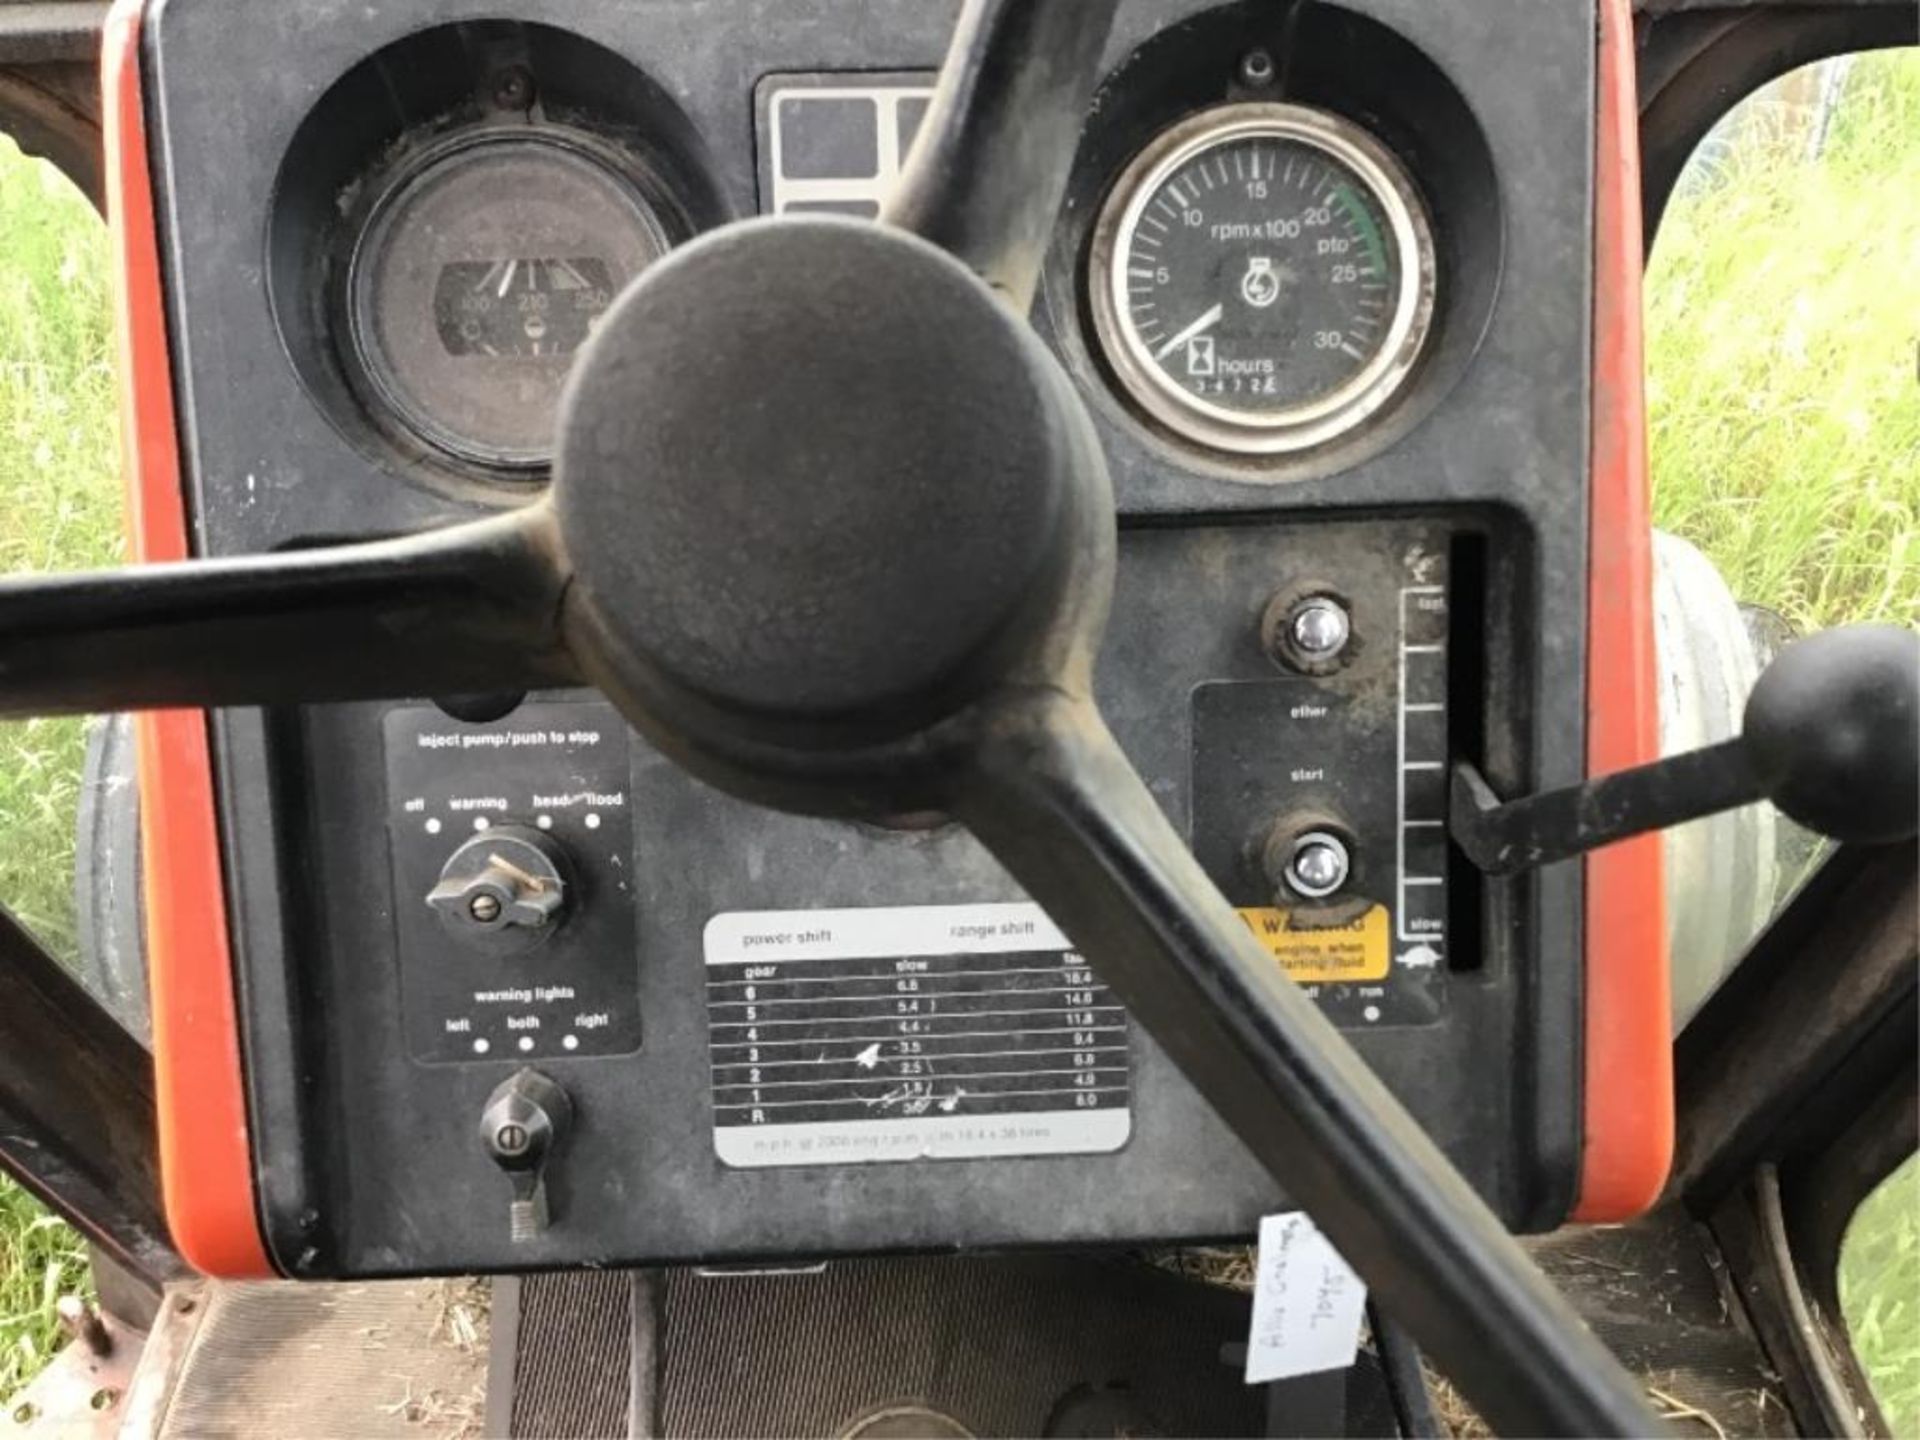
column 927, row 1346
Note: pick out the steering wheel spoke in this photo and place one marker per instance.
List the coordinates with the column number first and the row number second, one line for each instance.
column 1059, row 804
column 466, row 608
column 987, row 173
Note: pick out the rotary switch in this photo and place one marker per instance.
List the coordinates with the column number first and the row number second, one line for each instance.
column 503, row 891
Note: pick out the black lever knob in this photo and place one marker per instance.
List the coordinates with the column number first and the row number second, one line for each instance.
column 1831, row 736
column 1832, row 732
column 525, row 1119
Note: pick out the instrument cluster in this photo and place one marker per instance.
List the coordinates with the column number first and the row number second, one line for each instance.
column 1262, row 256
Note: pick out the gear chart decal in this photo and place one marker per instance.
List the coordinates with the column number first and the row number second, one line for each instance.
column 920, row 1032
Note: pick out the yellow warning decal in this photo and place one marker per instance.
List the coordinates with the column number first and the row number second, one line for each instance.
column 1360, row 950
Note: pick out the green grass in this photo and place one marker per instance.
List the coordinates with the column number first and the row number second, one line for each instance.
column 1781, row 315
column 60, row 500
column 1880, row 1293
column 40, row 1260
column 60, row 508
column 1781, row 310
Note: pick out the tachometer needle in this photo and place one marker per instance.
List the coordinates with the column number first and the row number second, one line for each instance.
column 1205, row 322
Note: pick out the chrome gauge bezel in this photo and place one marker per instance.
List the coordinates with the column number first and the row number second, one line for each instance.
column 1328, row 417
column 369, row 370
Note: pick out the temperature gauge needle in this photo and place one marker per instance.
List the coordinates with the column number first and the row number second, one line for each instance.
column 1205, row 322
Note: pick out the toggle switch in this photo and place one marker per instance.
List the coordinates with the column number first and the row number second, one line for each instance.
column 526, row 1117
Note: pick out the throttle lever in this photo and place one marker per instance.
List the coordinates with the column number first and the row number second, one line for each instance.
column 1831, row 735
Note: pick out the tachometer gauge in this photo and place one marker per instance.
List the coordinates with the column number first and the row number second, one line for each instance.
column 1262, row 278
column 478, row 275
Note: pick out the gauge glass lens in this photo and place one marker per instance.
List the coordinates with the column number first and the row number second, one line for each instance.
column 1261, row 275
column 477, row 280
column 1270, row 277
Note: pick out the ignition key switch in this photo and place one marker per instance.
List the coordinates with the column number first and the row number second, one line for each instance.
column 526, row 1118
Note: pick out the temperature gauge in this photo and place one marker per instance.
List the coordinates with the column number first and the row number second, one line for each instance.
column 480, row 272
column 1263, row 278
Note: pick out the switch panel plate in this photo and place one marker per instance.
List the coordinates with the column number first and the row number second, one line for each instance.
column 557, row 767
column 1363, row 755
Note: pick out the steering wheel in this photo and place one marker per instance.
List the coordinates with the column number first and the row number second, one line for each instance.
column 831, row 527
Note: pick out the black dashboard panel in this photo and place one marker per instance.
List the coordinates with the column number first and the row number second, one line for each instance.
column 968, row 1082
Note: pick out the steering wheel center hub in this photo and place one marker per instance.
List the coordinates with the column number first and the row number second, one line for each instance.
column 815, row 472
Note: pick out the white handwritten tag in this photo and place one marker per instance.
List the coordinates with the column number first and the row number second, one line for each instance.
column 1306, row 1303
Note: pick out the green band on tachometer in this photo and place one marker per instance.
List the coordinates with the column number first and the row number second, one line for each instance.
column 1369, row 232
